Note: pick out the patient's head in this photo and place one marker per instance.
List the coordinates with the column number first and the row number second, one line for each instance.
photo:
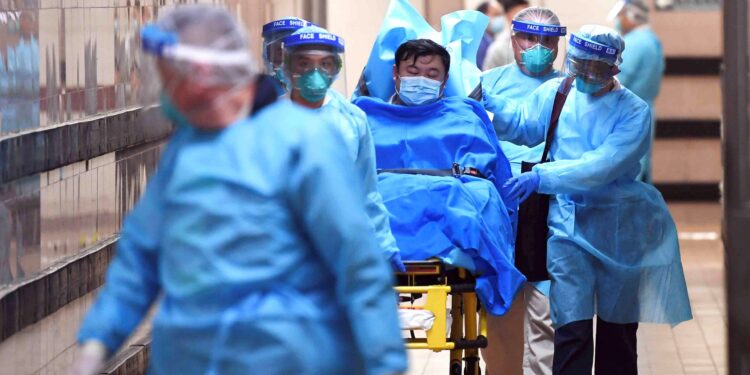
column 420, row 72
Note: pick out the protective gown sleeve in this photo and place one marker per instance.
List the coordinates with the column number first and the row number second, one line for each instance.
column 327, row 199
column 524, row 122
column 623, row 147
column 374, row 205
column 132, row 281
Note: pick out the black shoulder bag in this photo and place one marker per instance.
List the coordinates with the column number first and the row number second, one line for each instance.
column 531, row 238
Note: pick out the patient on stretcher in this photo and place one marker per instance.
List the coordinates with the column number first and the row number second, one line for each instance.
column 440, row 174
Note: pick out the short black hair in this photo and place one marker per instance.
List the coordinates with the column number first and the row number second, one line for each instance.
column 508, row 4
column 483, row 7
column 417, row 48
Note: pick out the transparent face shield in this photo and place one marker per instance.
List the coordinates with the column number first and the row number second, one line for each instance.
column 590, row 62
column 312, row 72
column 273, row 36
column 537, row 45
column 194, row 83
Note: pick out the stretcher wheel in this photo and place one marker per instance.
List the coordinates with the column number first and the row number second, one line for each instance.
column 455, row 368
column 472, row 367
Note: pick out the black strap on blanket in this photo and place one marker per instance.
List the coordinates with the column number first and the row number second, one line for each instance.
column 455, row 171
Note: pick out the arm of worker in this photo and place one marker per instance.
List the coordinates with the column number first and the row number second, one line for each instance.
column 132, row 280
column 374, row 205
column 525, row 121
column 327, row 198
column 622, row 149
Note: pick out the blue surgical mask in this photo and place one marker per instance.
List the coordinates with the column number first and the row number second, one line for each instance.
column 618, row 25
column 314, row 85
column 419, row 90
column 497, row 24
column 587, row 87
column 537, row 59
column 171, row 112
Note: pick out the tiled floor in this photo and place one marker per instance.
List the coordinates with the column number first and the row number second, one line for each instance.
column 697, row 347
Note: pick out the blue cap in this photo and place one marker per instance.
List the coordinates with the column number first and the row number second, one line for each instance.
column 594, row 42
column 538, row 28
column 154, row 39
column 591, row 46
column 315, row 38
column 285, row 24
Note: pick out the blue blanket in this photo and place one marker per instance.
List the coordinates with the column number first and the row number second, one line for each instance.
column 463, row 221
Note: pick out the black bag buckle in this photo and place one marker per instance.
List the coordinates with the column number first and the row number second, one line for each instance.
column 456, row 170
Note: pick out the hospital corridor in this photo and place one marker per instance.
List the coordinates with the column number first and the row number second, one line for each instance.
column 375, row 187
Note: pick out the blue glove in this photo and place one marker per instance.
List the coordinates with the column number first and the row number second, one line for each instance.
column 522, row 186
column 397, row 263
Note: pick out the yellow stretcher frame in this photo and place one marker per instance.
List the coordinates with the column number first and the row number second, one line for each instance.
column 469, row 326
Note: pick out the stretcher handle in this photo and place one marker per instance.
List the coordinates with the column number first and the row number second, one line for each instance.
column 479, row 343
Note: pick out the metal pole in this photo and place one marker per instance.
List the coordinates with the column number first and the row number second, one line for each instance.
column 736, row 194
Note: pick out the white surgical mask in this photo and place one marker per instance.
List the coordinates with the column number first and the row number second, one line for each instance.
column 419, row 90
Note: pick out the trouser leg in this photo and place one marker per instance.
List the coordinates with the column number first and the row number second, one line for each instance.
column 539, row 340
column 574, row 348
column 504, row 354
column 616, row 348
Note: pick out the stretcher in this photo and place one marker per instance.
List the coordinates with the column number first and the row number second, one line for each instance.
column 431, row 286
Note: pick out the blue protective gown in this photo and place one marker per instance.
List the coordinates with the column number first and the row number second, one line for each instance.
column 510, row 83
column 462, row 221
column 642, row 69
column 351, row 122
column 613, row 248
column 257, row 239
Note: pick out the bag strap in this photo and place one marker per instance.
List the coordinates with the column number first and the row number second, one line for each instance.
column 560, row 97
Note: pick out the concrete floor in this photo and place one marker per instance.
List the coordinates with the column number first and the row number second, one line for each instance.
column 697, row 347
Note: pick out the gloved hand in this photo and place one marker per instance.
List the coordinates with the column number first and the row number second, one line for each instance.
column 522, row 186
column 397, row 263
column 91, row 356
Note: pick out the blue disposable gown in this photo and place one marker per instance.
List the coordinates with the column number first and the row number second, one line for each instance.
column 613, row 248
column 351, row 122
column 641, row 71
column 510, row 83
column 257, row 239
column 462, row 221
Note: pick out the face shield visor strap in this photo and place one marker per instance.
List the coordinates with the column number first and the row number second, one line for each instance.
column 597, row 51
column 538, row 29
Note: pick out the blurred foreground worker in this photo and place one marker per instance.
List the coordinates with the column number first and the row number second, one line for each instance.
column 312, row 62
column 612, row 248
column 500, row 52
column 274, row 33
column 252, row 231
column 642, row 67
column 492, row 10
column 536, row 33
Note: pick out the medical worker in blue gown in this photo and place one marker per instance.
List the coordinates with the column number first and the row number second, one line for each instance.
column 536, row 34
column 312, row 61
column 643, row 63
column 613, row 251
column 251, row 231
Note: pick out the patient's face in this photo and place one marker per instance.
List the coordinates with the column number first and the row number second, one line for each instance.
column 430, row 66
